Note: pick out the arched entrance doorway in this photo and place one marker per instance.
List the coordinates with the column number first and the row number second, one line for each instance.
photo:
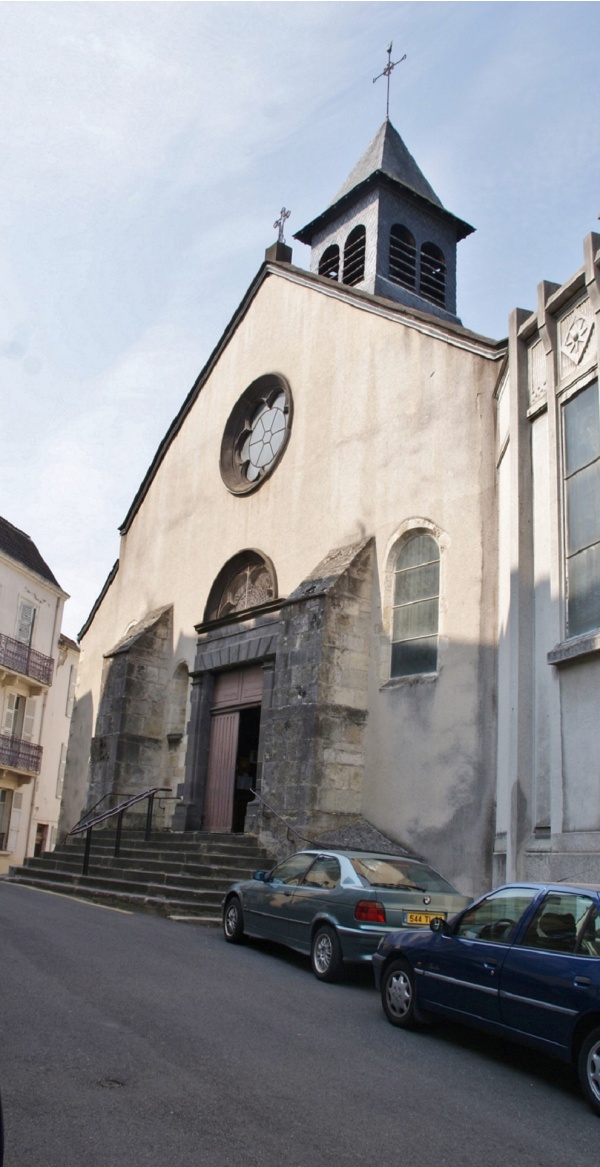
column 233, row 748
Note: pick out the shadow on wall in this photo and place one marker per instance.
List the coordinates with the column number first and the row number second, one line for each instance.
column 74, row 794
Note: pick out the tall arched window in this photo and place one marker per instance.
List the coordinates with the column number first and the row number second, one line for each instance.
column 416, row 601
column 329, row 263
column 354, row 256
column 403, row 257
column 433, row 274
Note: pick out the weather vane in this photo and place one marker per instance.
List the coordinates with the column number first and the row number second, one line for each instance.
column 387, row 72
column 280, row 224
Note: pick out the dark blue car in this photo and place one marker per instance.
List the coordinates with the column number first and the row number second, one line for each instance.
column 522, row 962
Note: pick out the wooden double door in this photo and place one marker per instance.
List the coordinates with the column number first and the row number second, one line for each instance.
column 233, row 748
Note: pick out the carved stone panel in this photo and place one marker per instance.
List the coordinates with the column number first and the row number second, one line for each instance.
column 536, row 373
column 575, row 331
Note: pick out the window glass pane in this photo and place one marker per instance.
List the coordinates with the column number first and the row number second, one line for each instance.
column 324, row 873
column 417, row 583
column 556, row 922
column 582, row 429
column 495, row 919
column 414, row 656
column 583, row 570
column 399, row 873
column 583, row 508
column 415, row 620
column 292, row 869
column 589, row 941
column 420, row 549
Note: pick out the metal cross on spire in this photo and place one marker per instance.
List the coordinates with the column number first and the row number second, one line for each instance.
column 280, row 223
column 387, row 72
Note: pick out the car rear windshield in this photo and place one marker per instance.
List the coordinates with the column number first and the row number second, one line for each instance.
column 399, row 873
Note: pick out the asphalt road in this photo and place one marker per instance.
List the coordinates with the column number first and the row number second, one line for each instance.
column 131, row 1041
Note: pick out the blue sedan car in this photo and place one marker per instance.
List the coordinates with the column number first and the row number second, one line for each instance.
column 522, row 962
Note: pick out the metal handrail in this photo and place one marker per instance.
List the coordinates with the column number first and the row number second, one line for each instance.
column 287, row 825
column 89, row 825
column 85, row 818
column 20, row 657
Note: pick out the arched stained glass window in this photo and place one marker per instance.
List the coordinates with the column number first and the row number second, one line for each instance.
column 354, row 256
column 329, row 263
column 433, row 274
column 403, row 257
column 416, row 599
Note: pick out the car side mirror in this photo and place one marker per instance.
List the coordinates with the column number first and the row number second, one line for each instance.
column 440, row 925
column 260, row 876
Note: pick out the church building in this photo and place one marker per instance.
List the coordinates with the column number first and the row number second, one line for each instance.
column 339, row 583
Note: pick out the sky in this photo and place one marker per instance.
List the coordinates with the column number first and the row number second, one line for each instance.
column 147, row 149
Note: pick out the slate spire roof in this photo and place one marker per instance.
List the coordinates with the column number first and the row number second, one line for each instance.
column 386, row 162
column 20, row 547
column 388, row 154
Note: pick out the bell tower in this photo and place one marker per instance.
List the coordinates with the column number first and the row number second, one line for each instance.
column 387, row 232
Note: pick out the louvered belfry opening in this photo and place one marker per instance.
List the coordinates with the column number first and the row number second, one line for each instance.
column 354, row 256
column 433, row 274
column 329, row 263
column 403, row 257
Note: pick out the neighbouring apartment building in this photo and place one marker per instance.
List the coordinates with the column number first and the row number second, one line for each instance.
column 362, row 573
column 38, row 672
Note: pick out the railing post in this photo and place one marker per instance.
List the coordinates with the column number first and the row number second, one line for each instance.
column 86, row 853
column 118, row 835
column 149, row 817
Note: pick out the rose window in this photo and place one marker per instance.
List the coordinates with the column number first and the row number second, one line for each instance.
column 256, row 433
column 265, row 438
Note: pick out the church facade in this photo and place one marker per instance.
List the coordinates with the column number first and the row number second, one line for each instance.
column 338, row 579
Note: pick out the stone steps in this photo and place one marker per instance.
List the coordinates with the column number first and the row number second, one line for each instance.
column 180, row 876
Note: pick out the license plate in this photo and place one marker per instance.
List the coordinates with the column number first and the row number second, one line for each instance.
column 422, row 917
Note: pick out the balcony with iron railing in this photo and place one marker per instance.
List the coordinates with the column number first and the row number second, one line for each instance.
column 20, row 659
column 19, row 755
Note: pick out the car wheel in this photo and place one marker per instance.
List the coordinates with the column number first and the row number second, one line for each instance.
column 233, row 921
column 398, row 996
column 588, row 1066
column 326, row 954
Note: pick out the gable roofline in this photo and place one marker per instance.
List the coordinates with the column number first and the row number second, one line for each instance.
column 98, row 601
column 434, row 326
column 380, row 178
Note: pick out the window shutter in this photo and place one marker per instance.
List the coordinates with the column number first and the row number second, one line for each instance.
column 10, row 709
column 15, row 819
column 71, row 692
column 28, row 720
column 26, row 621
column 61, row 771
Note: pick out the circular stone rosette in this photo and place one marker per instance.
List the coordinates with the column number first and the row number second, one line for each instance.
column 256, row 434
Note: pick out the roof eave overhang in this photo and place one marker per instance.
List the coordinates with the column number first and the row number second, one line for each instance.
column 379, row 178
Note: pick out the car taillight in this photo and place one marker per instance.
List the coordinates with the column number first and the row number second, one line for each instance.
column 370, row 912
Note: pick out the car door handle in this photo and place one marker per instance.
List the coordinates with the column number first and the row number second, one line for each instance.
column 492, row 965
column 582, row 981
column 287, row 891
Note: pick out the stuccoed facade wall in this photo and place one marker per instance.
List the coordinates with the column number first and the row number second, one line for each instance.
column 548, row 774
column 393, row 416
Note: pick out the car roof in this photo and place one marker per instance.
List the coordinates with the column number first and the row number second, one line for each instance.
column 564, row 885
column 356, row 853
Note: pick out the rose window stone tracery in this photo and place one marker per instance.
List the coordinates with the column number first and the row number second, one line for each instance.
column 256, row 434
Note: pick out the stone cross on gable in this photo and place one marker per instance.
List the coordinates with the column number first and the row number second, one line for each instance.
column 280, row 224
column 387, row 72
